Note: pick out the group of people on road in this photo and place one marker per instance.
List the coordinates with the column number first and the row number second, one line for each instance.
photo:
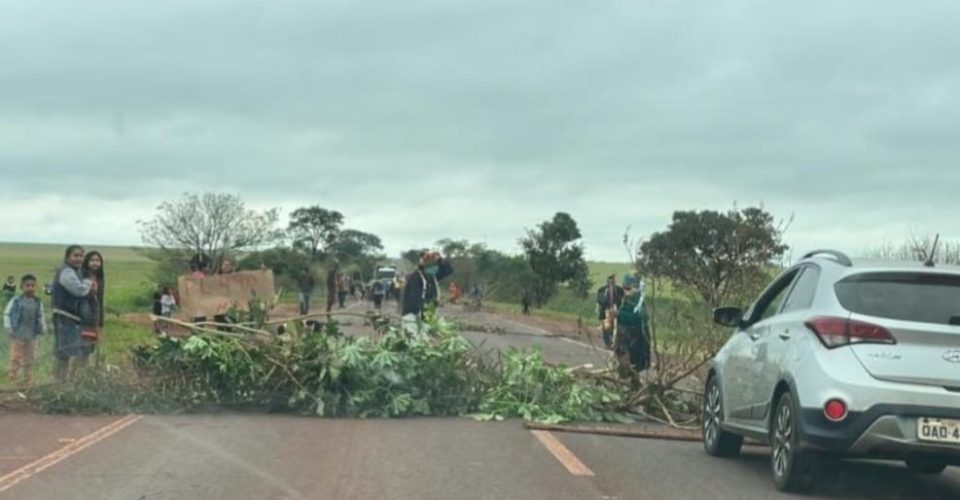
column 77, row 295
column 340, row 287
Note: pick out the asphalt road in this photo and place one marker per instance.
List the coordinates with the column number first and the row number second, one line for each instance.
column 283, row 457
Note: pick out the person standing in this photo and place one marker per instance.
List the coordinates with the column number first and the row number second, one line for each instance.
column 343, row 288
column 199, row 269
column 158, row 326
column 226, row 268
column 69, row 290
column 632, row 342
column 199, row 266
column 23, row 320
column 396, row 285
column 526, row 301
column 332, row 285
column 609, row 299
column 378, row 292
column 305, row 284
column 168, row 302
column 91, row 307
column 421, row 290
column 454, row 292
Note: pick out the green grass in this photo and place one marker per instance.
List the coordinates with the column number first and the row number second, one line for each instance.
column 118, row 336
column 600, row 270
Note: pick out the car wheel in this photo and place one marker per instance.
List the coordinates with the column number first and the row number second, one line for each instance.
column 794, row 469
column 716, row 441
column 926, row 465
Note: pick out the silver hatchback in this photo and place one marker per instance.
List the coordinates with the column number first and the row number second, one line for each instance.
column 842, row 359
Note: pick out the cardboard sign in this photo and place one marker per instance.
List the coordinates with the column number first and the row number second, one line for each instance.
column 219, row 293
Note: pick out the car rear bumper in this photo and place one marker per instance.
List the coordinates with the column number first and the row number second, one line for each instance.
column 883, row 431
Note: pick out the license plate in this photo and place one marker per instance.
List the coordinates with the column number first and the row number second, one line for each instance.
column 939, row 430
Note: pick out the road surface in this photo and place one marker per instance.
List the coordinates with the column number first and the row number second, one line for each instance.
column 254, row 456
column 282, row 457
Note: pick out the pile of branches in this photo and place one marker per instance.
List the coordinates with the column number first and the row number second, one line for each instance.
column 396, row 372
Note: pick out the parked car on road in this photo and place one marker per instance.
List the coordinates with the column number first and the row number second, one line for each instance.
column 841, row 359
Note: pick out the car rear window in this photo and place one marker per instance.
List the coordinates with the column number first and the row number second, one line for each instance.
column 921, row 297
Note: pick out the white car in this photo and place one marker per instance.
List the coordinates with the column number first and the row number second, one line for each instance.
column 842, row 359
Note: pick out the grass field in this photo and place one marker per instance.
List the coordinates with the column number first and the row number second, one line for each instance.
column 123, row 266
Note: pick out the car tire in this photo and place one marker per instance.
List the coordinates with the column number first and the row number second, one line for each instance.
column 794, row 469
column 926, row 465
column 716, row 441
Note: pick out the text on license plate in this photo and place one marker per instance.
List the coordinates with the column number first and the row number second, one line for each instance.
column 940, row 430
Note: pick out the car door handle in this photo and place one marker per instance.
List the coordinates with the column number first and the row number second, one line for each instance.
column 754, row 336
column 785, row 334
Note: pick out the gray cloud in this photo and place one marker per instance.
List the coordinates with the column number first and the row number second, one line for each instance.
column 427, row 119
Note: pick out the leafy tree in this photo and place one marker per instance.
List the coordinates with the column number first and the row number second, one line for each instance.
column 284, row 262
column 314, row 229
column 209, row 223
column 453, row 248
column 412, row 256
column 357, row 248
column 717, row 256
column 555, row 255
column 351, row 243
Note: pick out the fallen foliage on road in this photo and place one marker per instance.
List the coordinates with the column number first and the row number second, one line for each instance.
column 393, row 373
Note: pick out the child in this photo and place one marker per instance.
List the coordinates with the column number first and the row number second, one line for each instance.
column 91, row 308
column 70, row 288
column 23, row 320
column 168, row 302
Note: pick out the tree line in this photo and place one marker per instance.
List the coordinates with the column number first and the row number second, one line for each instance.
column 220, row 225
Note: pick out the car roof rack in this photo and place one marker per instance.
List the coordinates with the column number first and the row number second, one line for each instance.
column 840, row 257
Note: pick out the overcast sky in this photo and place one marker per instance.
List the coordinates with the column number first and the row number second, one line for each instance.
column 425, row 119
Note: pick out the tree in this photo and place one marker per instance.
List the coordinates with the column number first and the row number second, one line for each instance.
column 313, row 229
column 453, row 248
column 363, row 250
column 412, row 256
column 209, row 223
column 284, row 262
column 555, row 256
column 717, row 256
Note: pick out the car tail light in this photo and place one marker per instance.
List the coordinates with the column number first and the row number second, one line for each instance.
column 835, row 410
column 836, row 332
